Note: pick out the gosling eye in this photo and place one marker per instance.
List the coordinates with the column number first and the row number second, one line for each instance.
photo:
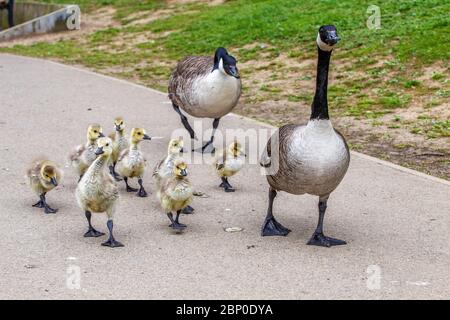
column 95, row 131
column 107, row 144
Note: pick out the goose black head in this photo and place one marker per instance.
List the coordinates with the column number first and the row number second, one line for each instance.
column 225, row 63
column 327, row 37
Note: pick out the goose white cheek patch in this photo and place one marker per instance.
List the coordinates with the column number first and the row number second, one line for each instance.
column 221, row 66
column 322, row 45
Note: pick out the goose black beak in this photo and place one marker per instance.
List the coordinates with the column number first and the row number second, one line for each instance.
column 99, row 151
column 233, row 71
column 101, row 135
column 147, row 137
column 54, row 181
column 183, row 172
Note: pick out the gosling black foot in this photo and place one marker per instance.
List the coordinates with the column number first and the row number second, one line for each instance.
column 142, row 193
column 130, row 189
column 38, row 204
column 112, row 243
column 177, row 226
column 272, row 227
column 92, row 233
column 226, row 186
column 117, row 176
column 188, row 210
column 319, row 239
column 49, row 210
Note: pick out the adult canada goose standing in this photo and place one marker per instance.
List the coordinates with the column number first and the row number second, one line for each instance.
column 312, row 158
column 205, row 87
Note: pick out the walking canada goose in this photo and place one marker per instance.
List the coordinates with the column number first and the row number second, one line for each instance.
column 43, row 175
column 84, row 155
column 205, row 87
column 164, row 168
column 120, row 143
column 175, row 193
column 131, row 162
column 311, row 158
column 97, row 192
column 229, row 162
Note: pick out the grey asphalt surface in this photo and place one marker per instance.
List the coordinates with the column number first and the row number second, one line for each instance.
column 393, row 219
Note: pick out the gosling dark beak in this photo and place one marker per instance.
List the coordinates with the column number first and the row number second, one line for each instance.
column 101, row 135
column 99, row 151
column 233, row 71
column 183, row 172
column 117, row 128
column 182, row 150
column 147, row 137
column 54, row 181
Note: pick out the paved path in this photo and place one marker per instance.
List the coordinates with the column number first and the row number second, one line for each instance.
column 394, row 219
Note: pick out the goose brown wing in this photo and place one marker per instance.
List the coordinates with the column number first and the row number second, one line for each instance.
column 187, row 70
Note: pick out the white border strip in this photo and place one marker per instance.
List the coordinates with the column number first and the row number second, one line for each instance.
column 358, row 154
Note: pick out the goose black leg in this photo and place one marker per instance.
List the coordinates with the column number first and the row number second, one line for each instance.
column 175, row 224
column 142, row 193
column 42, row 203
column 91, row 231
column 272, row 227
column 318, row 238
column 129, row 189
column 188, row 210
column 185, row 121
column 111, row 242
column 208, row 147
column 226, row 185
column 112, row 171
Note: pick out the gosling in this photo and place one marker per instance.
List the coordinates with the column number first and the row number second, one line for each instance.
column 164, row 168
column 97, row 192
column 84, row 155
column 175, row 193
column 44, row 175
column 229, row 162
column 120, row 143
column 131, row 162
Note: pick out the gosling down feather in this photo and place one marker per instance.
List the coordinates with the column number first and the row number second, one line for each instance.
column 84, row 155
column 43, row 176
column 311, row 158
column 229, row 162
column 175, row 193
column 205, row 87
column 97, row 192
column 132, row 162
column 120, row 143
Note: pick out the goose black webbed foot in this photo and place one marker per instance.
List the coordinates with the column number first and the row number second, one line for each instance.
column 129, row 189
column 319, row 239
column 226, row 185
column 272, row 227
column 48, row 209
column 176, row 225
column 38, row 204
column 141, row 193
column 188, row 210
column 111, row 242
column 115, row 175
column 92, row 233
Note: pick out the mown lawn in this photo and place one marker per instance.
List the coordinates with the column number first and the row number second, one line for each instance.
column 390, row 87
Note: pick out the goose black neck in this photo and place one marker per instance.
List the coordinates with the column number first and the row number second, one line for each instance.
column 319, row 108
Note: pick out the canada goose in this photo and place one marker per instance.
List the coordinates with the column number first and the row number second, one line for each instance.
column 97, row 192
column 120, row 143
column 205, row 87
column 227, row 163
column 164, row 168
column 312, row 158
column 131, row 162
column 175, row 193
column 43, row 175
column 84, row 155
